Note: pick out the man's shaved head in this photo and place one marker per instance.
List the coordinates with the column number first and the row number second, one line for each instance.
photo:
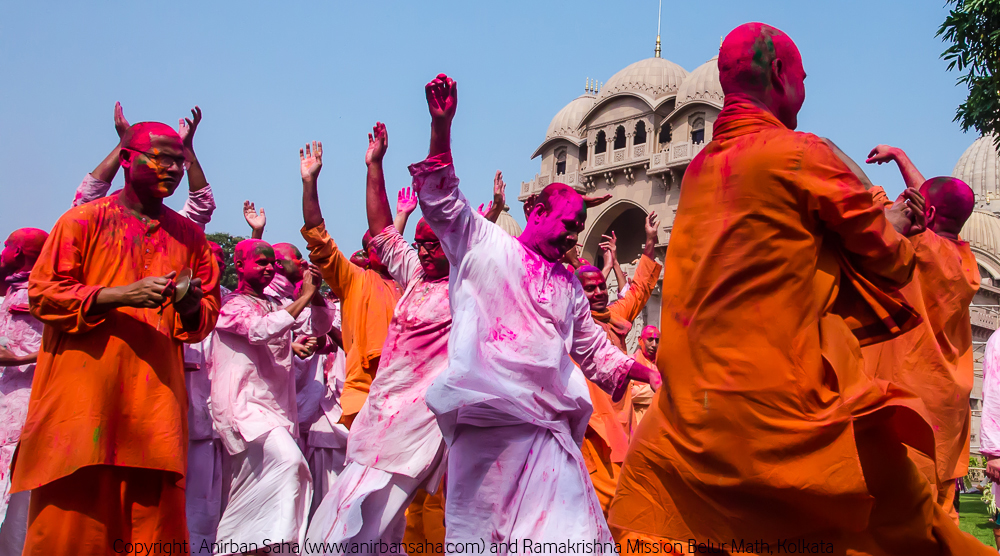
column 650, row 332
column 762, row 62
column 949, row 203
column 595, row 287
column 649, row 342
column 250, row 248
column 555, row 221
column 21, row 250
column 289, row 261
column 139, row 136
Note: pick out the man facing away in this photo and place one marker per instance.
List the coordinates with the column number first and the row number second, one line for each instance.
column 104, row 451
column 935, row 360
column 767, row 428
column 395, row 446
column 512, row 405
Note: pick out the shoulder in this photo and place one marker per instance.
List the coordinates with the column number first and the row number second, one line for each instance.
column 183, row 229
column 85, row 213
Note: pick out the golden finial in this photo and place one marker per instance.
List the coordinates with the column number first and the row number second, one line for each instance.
column 659, row 11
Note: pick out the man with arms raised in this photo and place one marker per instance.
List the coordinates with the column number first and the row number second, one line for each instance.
column 935, row 360
column 767, row 428
column 111, row 441
column 395, row 445
column 511, row 404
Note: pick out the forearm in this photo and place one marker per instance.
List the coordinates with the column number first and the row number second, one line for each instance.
column 911, row 176
column 8, row 359
column 440, row 137
column 311, row 213
column 494, row 213
column 619, row 274
column 649, row 248
column 108, row 167
column 196, row 176
column 377, row 202
column 257, row 233
column 399, row 222
column 296, row 307
column 108, row 299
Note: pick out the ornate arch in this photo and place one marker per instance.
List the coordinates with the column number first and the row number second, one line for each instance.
column 602, row 222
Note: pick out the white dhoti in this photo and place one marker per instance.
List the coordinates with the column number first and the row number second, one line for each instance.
column 269, row 496
column 518, row 482
column 203, row 493
column 325, row 464
column 365, row 510
column 13, row 508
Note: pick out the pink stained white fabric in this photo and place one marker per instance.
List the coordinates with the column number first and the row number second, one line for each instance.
column 519, row 322
column 989, row 432
column 21, row 334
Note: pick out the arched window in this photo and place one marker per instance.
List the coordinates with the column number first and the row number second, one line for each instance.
column 583, row 152
column 620, row 138
column 698, row 131
column 640, row 133
column 561, row 162
column 601, row 144
column 664, row 133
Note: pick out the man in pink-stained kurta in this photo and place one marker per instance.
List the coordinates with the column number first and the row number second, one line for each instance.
column 989, row 425
column 395, row 445
column 254, row 407
column 21, row 337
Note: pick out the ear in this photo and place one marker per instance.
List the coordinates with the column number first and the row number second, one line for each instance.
column 929, row 213
column 125, row 158
column 777, row 76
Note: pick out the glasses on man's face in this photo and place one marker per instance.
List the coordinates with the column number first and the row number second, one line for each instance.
column 428, row 245
column 161, row 160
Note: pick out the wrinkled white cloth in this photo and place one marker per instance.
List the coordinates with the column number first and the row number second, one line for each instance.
column 519, row 323
column 21, row 334
column 395, row 431
column 365, row 506
column 203, row 492
column 198, row 207
column 989, row 432
column 518, row 482
column 253, row 384
column 269, row 497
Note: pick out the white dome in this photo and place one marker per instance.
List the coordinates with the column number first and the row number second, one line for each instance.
column 702, row 84
column 508, row 224
column 978, row 168
column 982, row 231
column 567, row 121
column 654, row 77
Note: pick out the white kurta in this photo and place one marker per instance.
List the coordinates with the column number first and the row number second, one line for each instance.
column 989, row 434
column 520, row 322
column 255, row 411
column 21, row 334
column 395, row 445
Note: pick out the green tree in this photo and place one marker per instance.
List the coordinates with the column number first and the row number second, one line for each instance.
column 973, row 29
column 228, row 243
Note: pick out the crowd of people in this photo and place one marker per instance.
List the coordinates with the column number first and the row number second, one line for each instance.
column 472, row 392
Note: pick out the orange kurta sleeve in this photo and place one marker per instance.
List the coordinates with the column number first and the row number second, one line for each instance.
column 630, row 305
column 204, row 266
column 338, row 271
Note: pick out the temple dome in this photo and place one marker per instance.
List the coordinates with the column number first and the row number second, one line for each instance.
column 508, row 224
column 982, row 231
column 702, row 84
column 566, row 123
column 978, row 168
column 652, row 77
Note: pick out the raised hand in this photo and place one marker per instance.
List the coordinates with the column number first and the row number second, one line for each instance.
column 592, row 202
column 907, row 214
column 256, row 220
column 652, row 224
column 499, row 191
column 406, row 201
column 881, row 154
column 483, row 209
column 311, row 279
column 311, row 160
column 187, row 126
column 442, row 97
column 610, row 244
column 121, row 124
column 378, row 142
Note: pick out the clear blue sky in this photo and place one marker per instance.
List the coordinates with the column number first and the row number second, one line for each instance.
column 271, row 76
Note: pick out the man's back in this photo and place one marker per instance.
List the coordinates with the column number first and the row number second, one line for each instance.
column 761, row 378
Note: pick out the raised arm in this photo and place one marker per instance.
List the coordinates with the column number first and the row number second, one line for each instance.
column 630, row 304
column 376, row 200
column 884, row 153
column 255, row 220
column 406, row 203
column 97, row 183
column 200, row 203
column 610, row 247
column 499, row 198
column 311, row 162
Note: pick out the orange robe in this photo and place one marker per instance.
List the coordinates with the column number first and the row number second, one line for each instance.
column 607, row 437
column 642, row 394
column 935, row 360
column 367, row 303
column 108, row 388
column 766, row 427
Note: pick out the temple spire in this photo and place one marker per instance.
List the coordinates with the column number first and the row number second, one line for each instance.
column 659, row 11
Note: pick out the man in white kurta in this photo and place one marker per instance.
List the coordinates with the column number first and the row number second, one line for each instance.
column 21, row 335
column 511, row 404
column 254, row 410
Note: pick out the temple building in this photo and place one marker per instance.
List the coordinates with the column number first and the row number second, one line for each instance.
column 633, row 138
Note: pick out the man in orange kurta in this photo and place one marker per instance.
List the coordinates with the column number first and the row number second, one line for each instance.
column 767, row 430
column 368, row 295
column 642, row 394
column 104, row 447
column 607, row 436
column 935, row 360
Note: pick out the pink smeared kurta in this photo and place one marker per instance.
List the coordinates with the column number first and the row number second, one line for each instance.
column 520, row 322
column 21, row 334
column 989, row 431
